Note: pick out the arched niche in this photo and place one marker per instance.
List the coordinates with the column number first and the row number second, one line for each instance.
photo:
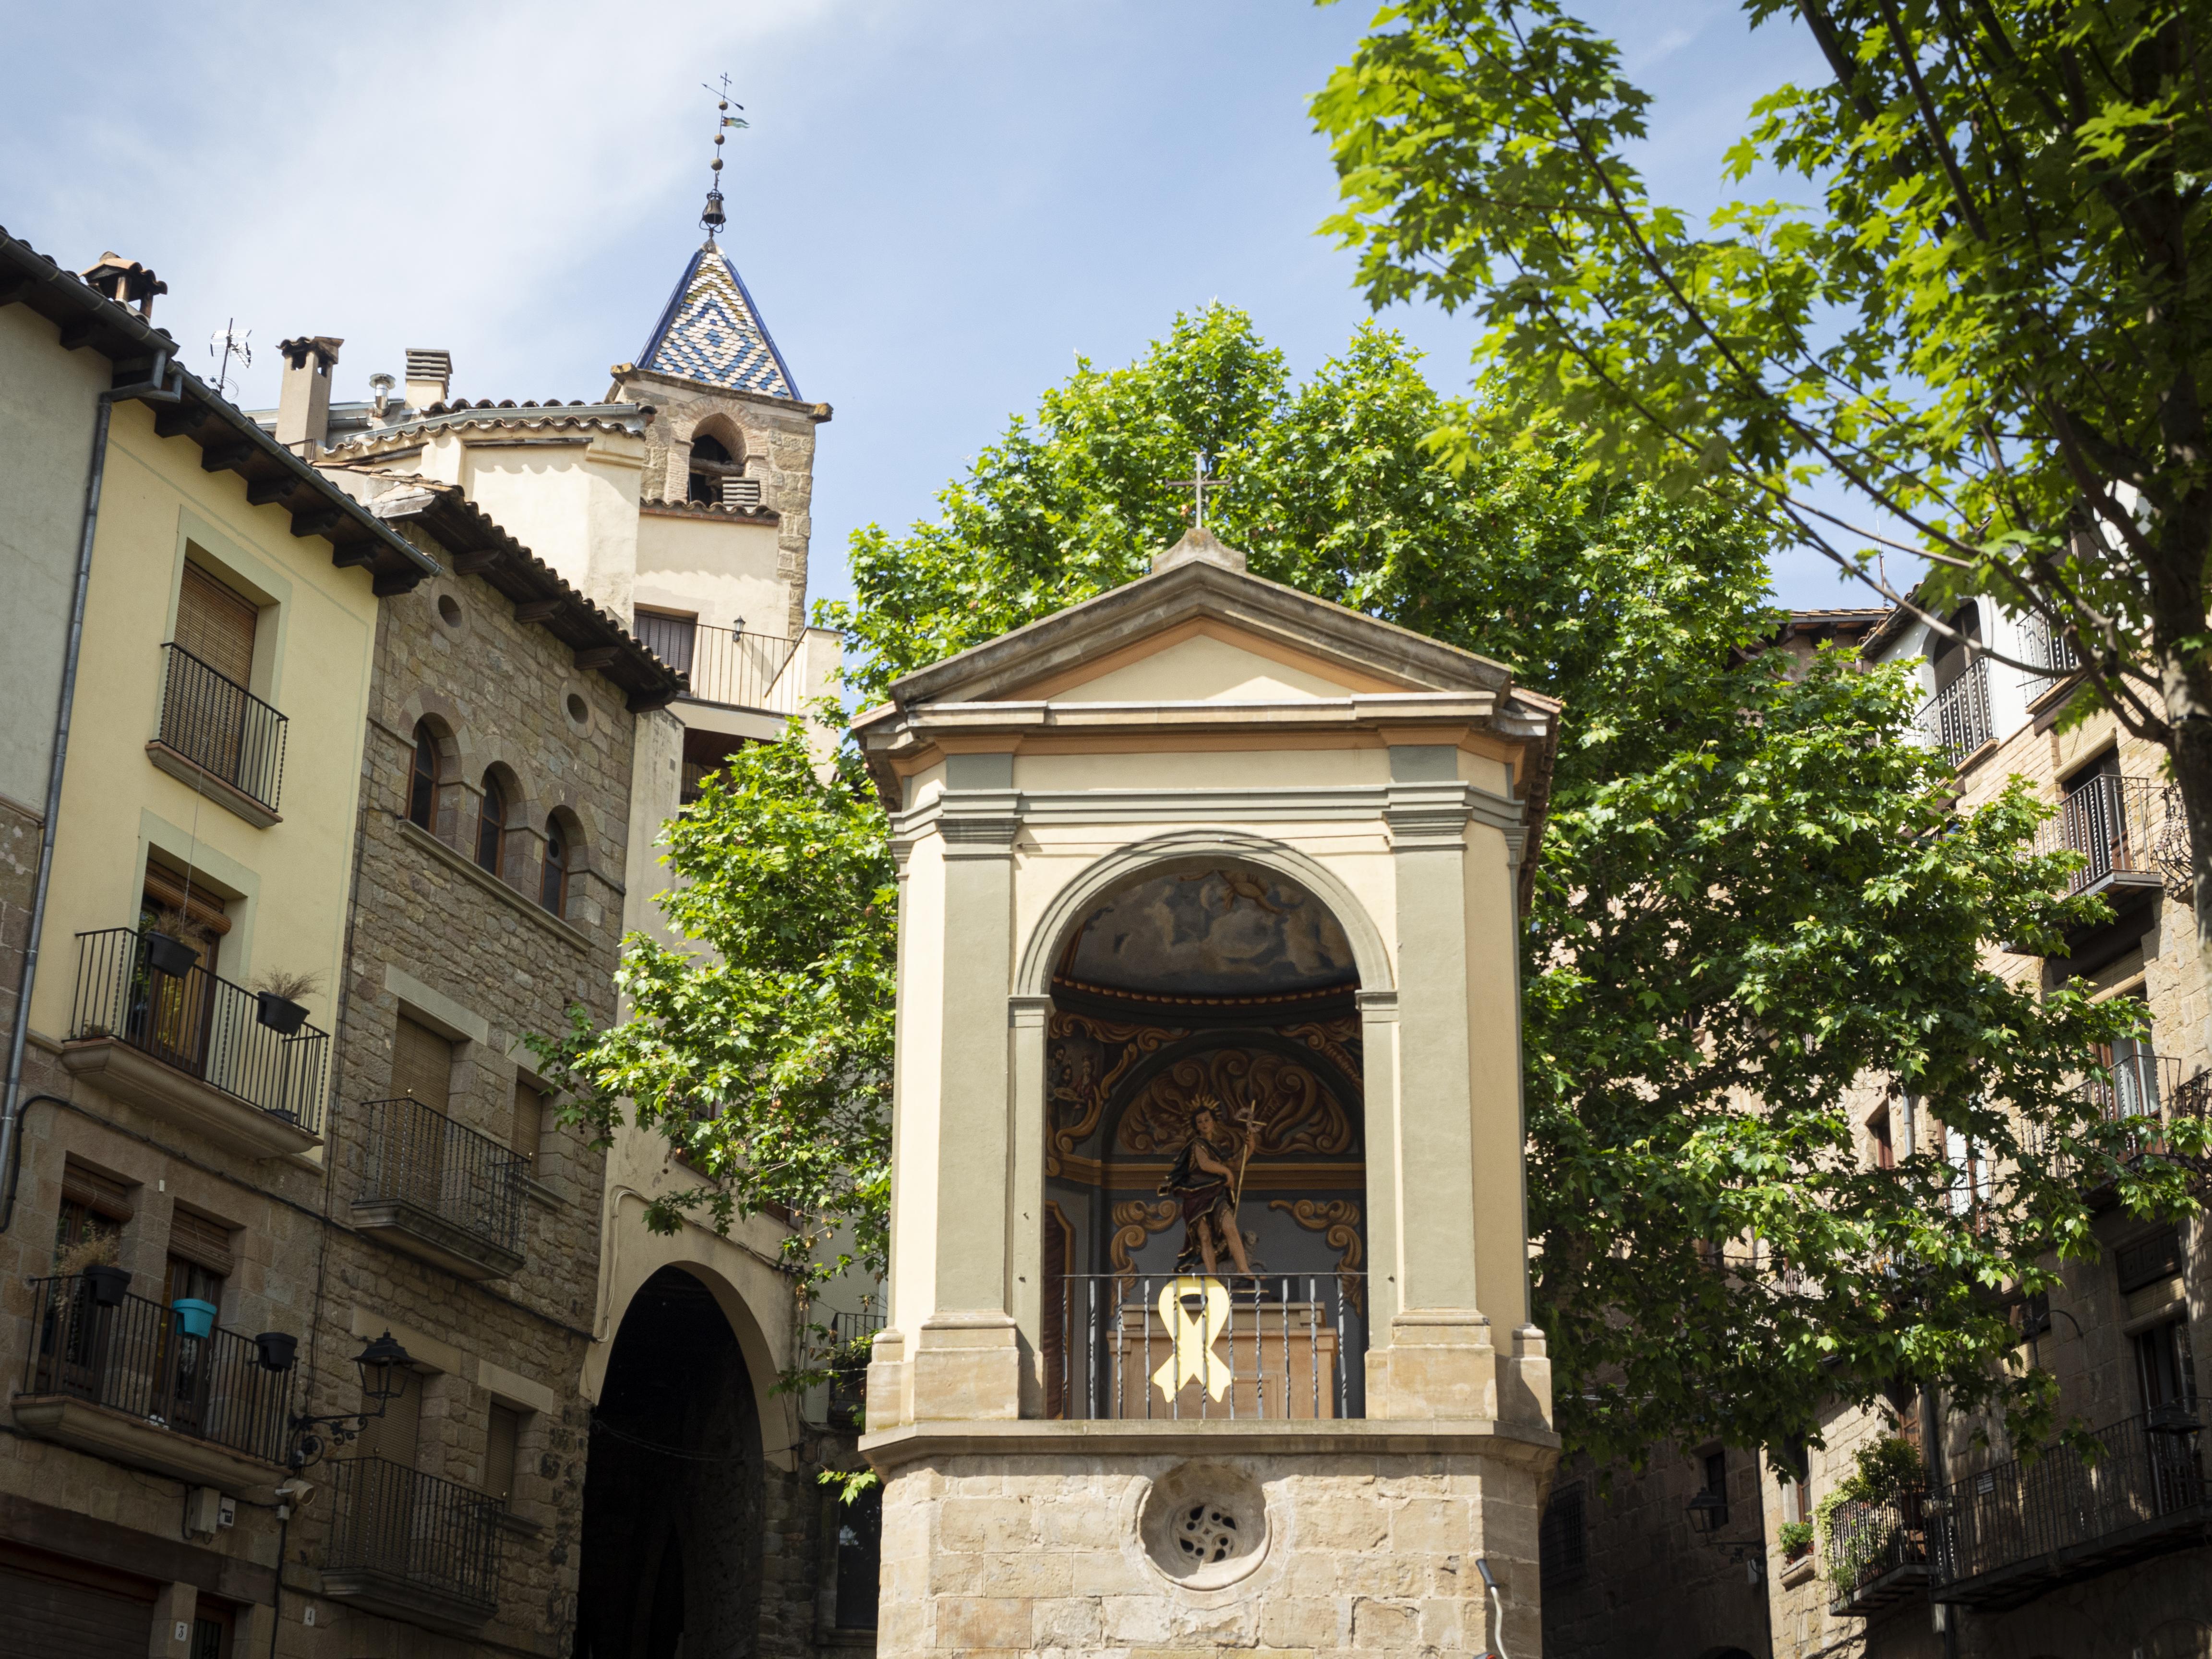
column 1204, row 1059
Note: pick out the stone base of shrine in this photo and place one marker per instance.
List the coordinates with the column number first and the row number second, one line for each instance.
column 1134, row 1539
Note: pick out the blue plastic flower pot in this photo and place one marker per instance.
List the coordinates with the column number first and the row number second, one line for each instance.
column 194, row 1317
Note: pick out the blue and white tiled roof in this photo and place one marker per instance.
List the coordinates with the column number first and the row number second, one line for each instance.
column 711, row 332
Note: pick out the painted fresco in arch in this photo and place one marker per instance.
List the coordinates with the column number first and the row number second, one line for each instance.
column 1226, row 931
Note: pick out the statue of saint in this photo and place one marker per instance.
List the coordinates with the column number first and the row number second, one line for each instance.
column 1206, row 1179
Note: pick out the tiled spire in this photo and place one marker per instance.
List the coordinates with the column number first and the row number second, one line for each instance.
column 712, row 333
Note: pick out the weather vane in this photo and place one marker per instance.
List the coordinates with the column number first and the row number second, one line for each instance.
column 713, row 218
column 1197, row 484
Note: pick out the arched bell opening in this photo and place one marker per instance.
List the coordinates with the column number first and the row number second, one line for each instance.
column 674, row 1487
column 1204, row 1246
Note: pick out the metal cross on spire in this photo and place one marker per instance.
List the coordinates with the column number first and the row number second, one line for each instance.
column 713, row 218
column 1197, row 484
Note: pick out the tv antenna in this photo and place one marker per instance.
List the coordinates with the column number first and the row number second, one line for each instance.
column 225, row 343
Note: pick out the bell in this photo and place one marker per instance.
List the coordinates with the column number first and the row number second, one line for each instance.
column 713, row 218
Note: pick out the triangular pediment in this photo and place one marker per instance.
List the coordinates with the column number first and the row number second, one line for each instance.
column 1199, row 631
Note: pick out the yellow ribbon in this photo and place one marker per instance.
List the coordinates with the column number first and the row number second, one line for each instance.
column 1194, row 1359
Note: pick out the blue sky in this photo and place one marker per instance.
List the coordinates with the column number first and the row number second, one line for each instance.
column 937, row 206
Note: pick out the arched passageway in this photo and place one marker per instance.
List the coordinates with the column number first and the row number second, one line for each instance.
column 673, row 1494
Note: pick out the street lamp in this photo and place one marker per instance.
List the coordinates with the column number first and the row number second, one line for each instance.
column 382, row 1363
column 1708, row 1512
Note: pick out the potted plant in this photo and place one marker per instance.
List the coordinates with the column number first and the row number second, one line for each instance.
column 276, row 1349
column 93, row 1258
column 170, row 947
column 194, row 1317
column 277, row 998
column 1796, row 1540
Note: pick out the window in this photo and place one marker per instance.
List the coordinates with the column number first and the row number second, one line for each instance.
column 669, row 636
column 422, row 1064
column 711, row 463
column 553, row 885
column 491, row 824
column 2166, row 1369
column 423, row 785
column 1885, row 1149
column 501, row 1439
column 1793, row 1471
column 216, row 626
column 2154, row 1256
column 182, row 907
column 1562, row 1541
column 860, row 1559
column 1716, row 1484
column 529, row 1118
column 1970, row 1171
column 397, row 1436
column 94, row 1206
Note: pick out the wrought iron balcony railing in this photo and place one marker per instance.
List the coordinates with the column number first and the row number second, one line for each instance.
column 1956, row 720
column 2143, row 1095
column 198, row 1023
column 1877, row 1551
column 727, row 665
column 1171, row 1347
column 215, row 722
column 2010, row 1533
column 2048, row 648
column 400, row 1536
column 2133, row 831
column 135, row 1357
column 849, row 1368
column 418, row 1156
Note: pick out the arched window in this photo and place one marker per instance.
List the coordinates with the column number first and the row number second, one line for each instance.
column 711, row 462
column 553, row 886
column 422, row 788
column 491, row 824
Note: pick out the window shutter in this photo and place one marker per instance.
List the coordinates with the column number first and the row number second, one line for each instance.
column 101, row 1194
column 166, row 887
column 216, row 625
column 500, row 1441
column 200, row 1239
column 422, row 1064
column 529, row 1119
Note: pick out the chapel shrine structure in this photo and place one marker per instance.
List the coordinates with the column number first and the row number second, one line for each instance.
column 1208, row 1318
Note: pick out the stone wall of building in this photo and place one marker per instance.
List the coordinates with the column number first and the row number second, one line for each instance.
column 478, row 958
column 1357, row 1550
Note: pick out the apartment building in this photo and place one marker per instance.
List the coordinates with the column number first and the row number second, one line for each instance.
column 191, row 664
column 1994, row 1553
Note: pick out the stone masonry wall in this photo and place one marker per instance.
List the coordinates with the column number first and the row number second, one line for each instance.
column 1365, row 1551
column 433, row 934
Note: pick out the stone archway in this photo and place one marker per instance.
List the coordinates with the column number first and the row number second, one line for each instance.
column 674, row 1495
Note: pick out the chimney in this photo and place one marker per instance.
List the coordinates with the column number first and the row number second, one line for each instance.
column 429, row 376
column 125, row 282
column 303, row 406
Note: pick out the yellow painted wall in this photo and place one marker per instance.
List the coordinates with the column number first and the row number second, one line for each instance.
column 717, row 570
column 573, row 504
column 288, row 883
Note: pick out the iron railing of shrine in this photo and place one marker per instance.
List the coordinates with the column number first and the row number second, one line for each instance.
column 1178, row 1346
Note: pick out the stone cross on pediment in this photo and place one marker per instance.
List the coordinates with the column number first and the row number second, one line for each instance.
column 1197, row 484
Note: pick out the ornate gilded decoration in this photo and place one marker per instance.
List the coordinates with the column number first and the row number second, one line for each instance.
column 1296, row 1112
column 1339, row 1040
column 1337, row 1220
column 1088, row 1057
column 1134, row 1223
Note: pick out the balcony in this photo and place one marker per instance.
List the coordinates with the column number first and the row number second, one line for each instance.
column 409, row 1545
column 2012, row 1533
column 1173, row 1347
column 725, row 665
column 439, row 1191
column 124, row 1382
column 191, row 1047
column 1957, row 719
column 2132, row 832
column 1877, row 1553
column 218, row 737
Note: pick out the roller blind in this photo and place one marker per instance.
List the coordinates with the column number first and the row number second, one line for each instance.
column 216, row 625
column 422, row 1064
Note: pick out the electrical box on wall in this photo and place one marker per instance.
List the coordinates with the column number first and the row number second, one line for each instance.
column 205, row 1509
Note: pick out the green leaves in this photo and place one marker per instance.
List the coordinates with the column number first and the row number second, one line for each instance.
column 764, row 1059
